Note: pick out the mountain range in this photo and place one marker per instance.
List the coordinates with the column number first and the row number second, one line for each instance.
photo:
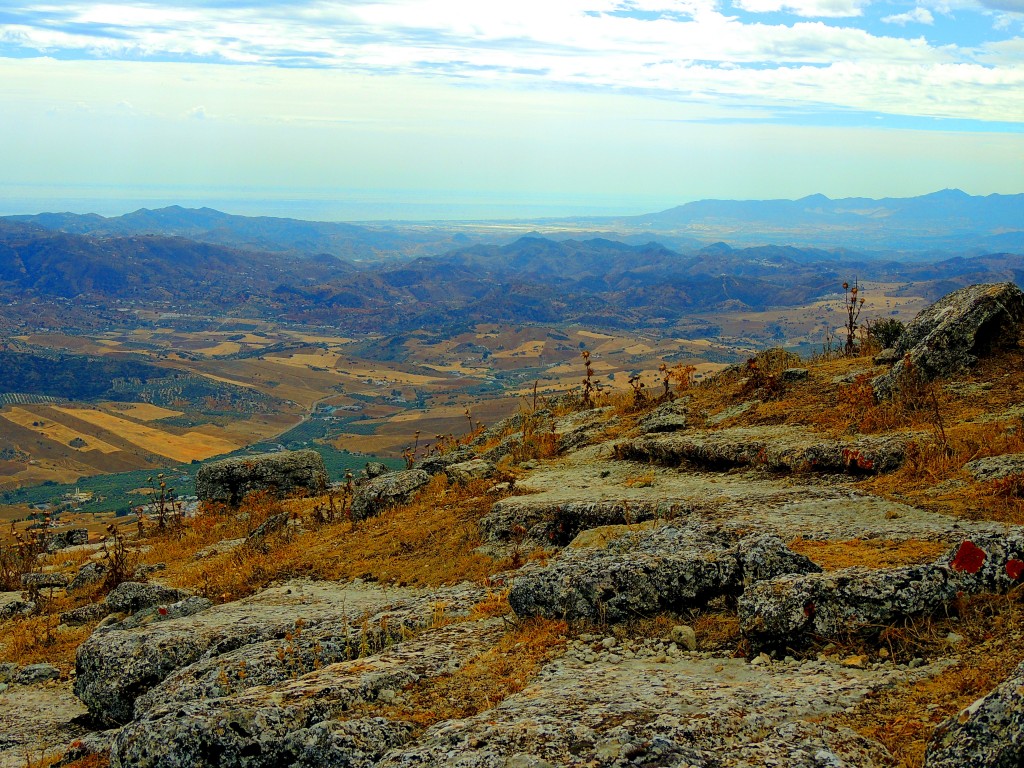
column 945, row 223
column 599, row 282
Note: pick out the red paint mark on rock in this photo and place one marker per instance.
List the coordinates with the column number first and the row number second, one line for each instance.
column 1014, row 569
column 969, row 558
column 162, row 611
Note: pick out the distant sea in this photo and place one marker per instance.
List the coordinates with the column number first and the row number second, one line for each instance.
column 325, row 205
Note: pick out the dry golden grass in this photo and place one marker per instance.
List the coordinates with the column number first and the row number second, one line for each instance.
column 182, row 448
column 428, row 542
column 903, row 718
column 39, row 639
column 868, row 553
column 486, row 680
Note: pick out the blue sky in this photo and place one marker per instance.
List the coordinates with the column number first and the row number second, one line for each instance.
column 456, row 108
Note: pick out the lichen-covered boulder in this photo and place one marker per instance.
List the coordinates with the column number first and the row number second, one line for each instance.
column 37, row 581
column 641, row 573
column 667, row 417
column 132, row 596
column 88, row 574
column 996, row 467
column 387, row 491
column 788, row 610
column 284, row 473
column 987, row 734
column 474, row 469
column 954, row 332
column 71, row 538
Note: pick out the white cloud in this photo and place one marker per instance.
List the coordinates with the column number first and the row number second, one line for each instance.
column 677, row 49
column 918, row 15
column 806, row 8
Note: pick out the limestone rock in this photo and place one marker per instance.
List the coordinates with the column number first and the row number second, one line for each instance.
column 36, row 673
column 641, row 573
column 116, row 665
column 786, row 611
column 70, row 538
column 283, row 473
column 790, row 449
column 36, row 581
column 548, row 524
column 14, row 604
column 668, row 417
column 88, row 574
column 264, row 726
column 996, row 467
column 132, row 596
column 474, row 469
column 987, row 734
column 387, row 491
column 437, row 463
column 954, row 332
column 86, row 614
column 376, row 469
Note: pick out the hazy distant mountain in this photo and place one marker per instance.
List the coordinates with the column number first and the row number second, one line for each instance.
column 35, row 262
column 949, row 219
column 940, row 224
column 260, row 233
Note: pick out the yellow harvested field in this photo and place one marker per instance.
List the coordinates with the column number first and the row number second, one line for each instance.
column 224, row 380
column 55, row 431
column 638, row 349
column 327, row 360
column 312, row 339
column 526, row 349
column 142, row 411
column 372, row 444
column 223, row 348
column 389, row 375
column 183, row 448
column 593, row 335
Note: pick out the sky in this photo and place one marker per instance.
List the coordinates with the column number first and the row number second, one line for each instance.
column 369, row 109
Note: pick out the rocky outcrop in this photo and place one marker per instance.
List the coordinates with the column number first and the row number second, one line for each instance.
column 522, row 519
column 313, row 645
column 954, row 332
column 789, row 610
column 88, row 574
column 386, row 491
column 789, row 449
column 996, row 467
column 132, row 596
column 293, row 723
column 474, row 469
column 667, row 568
column 116, row 665
column 436, row 463
column 284, row 473
column 987, row 734
column 667, row 417
column 73, row 537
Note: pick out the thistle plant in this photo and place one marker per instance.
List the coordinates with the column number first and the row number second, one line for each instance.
column 853, row 304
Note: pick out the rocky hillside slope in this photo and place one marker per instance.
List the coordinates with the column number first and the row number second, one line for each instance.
column 795, row 564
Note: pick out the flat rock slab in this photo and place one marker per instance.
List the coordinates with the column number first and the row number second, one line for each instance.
column 780, row 448
column 36, row 719
column 270, row 725
column 705, row 712
column 117, row 666
column 587, row 490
